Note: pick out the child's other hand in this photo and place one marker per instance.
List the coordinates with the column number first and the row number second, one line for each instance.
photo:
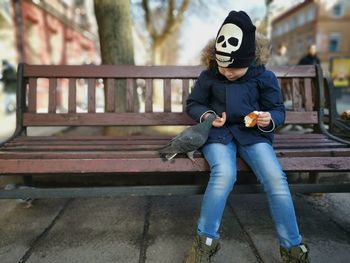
column 263, row 119
column 219, row 122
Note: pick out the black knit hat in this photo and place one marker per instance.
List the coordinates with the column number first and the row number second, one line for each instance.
column 235, row 41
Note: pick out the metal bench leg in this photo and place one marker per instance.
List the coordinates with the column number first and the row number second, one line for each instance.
column 28, row 180
column 314, row 177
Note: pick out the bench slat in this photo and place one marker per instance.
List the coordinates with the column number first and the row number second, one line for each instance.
column 315, row 142
column 127, row 119
column 72, row 96
column 308, row 117
column 129, row 71
column 110, row 95
column 106, row 119
column 185, row 92
column 149, row 96
column 296, row 96
column 308, row 94
column 32, row 95
column 50, row 166
column 160, row 141
column 155, row 137
column 130, row 95
column 79, row 141
column 111, row 71
column 294, row 71
column 52, row 95
column 167, row 95
column 47, row 154
column 153, row 146
column 91, row 95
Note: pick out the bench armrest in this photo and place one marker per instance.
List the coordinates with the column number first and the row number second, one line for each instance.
column 321, row 108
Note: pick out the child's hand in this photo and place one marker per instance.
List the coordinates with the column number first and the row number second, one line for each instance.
column 218, row 122
column 263, row 119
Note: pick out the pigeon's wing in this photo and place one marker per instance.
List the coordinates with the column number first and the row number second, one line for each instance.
column 187, row 141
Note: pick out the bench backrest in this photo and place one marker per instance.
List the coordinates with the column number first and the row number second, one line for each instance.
column 298, row 86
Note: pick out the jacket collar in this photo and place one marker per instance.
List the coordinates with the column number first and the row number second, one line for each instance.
column 252, row 72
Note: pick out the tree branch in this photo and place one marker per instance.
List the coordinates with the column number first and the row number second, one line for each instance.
column 170, row 15
column 173, row 23
column 148, row 21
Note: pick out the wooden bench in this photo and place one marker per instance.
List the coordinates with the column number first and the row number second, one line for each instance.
column 136, row 155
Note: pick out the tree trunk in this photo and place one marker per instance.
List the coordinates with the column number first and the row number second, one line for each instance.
column 116, row 43
column 115, row 31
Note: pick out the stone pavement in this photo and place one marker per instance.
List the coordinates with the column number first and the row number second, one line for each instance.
column 161, row 229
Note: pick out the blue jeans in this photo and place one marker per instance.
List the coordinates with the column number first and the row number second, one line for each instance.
column 262, row 160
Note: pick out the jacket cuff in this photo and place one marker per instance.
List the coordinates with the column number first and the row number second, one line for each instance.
column 208, row 111
column 270, row 130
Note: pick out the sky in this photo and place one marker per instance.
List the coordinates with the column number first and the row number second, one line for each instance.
column 198, row 31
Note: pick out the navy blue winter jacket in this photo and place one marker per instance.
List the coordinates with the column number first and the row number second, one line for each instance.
column 257, row 90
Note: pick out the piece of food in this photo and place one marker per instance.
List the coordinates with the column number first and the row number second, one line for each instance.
column 251, row 118
column 346, row 115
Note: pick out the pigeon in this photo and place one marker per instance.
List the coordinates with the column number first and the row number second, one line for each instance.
column 188, row 141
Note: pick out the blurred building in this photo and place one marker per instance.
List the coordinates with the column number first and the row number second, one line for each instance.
column 48, row 32
column 323, row 22
column 7, row 33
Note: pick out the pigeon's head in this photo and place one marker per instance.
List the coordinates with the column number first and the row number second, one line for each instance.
column 209, row 121
column 211, row 118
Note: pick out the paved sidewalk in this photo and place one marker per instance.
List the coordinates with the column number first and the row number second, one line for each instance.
column 161, row 229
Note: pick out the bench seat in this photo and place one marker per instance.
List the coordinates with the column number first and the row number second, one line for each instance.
column 134, row 154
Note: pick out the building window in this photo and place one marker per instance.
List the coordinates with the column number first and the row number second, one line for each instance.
column 301, row 19
column 292, row 23
column 285, row 27
column 338, row 10
column 5, row 6
column 334, row 42
column 279, row 30
column 36, row 50
column 310, row 40
column 311, row 14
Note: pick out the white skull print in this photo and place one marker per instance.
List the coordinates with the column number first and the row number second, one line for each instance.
column 229, row 40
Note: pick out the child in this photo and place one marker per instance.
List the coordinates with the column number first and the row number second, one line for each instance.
column 235, row 84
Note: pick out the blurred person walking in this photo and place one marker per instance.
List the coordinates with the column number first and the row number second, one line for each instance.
column 9, row 79
column 280, row 58
column 311, row 57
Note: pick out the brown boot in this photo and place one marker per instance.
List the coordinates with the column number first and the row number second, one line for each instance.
column 203, row 250
column 298, row 254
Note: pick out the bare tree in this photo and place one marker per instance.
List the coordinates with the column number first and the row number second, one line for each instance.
column 264, row 25
column 174, row 17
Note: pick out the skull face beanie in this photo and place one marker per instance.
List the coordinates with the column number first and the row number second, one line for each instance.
column 235, row 41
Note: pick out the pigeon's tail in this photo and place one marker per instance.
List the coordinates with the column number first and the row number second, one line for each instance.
column 166, row 154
